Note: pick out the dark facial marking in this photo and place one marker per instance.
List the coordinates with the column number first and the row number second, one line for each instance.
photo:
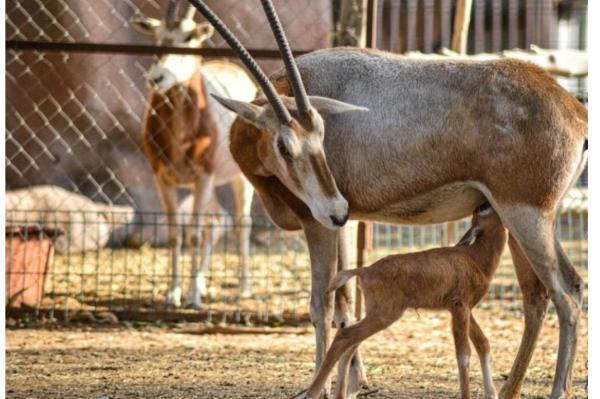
column 292, row 173
column 323, row 174
column 283, row 150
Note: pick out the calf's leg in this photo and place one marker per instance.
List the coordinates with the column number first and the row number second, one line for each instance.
column 346, row 339
column 482, row 346
column 460, row 331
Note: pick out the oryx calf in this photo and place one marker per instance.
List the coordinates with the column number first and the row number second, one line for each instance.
column 453, row 278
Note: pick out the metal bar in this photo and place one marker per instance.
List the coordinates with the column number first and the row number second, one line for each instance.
column 372, row 8
column 411, row 25
column 428, row 14
column 445, row 22
column 530, row 31
column 513, row 23
column 80, row 47
column 479, row 29
column 394, row 18
column 497, row 25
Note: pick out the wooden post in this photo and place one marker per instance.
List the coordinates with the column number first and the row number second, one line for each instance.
column 360, row 262
column 364, row 240
column 363, row 244
column 452, row 236
column 462, row 18
column 371, row 24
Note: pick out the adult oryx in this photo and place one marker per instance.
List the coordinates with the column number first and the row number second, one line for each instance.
column 439, row 138
column 186, row 140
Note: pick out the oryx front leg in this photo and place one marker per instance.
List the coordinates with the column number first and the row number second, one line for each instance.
column 203, row 191
column 243, row 193
column 352, row 375
column 168, row 199
column 322, row 246
column 482, row 346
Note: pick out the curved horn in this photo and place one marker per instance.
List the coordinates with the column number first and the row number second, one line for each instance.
column 171, row 11
column 300, row 95
column 280, row 110
column 189, row 14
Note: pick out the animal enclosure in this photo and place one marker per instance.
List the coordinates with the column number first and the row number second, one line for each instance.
column 76, row 103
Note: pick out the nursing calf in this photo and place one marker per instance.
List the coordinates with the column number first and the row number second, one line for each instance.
column 453, row 278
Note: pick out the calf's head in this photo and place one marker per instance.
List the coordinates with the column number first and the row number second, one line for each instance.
column 484, row 220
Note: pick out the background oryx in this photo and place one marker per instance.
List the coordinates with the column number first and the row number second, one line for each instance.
column 186, row 137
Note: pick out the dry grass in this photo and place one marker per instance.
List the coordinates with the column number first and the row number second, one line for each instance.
column 138, row 279
column 413, row 359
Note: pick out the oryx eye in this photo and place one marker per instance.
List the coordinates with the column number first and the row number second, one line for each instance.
column 484, row 208
column 283, row 149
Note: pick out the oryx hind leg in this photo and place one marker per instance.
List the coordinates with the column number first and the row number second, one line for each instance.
column 534, row 231
column 535, row 303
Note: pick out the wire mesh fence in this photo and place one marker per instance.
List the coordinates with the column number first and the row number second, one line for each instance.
column 79, row 173
column 132, row 284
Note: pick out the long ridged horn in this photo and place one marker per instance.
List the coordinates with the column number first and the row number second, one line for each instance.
column 171, row 11
column 302, row 101
column 280, row 110
column 189, row 14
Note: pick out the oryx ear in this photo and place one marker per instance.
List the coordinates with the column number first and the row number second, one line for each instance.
column 330, row 106
column 144, row 24
column 469, row 237
column 249, row 112
column 204, row 31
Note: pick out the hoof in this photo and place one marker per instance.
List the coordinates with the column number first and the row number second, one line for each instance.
column 245, row 290
column 174, row 297
column 193, row 305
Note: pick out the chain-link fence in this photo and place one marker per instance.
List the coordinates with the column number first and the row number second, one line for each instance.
column 79, row 170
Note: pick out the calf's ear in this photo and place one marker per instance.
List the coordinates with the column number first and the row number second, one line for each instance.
column 469, row 237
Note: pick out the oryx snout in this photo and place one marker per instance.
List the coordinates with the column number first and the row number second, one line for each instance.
column 340, row 214
column 159, row 78
column 332, row 213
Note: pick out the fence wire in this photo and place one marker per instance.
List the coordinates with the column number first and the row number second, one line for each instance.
column 78, row 174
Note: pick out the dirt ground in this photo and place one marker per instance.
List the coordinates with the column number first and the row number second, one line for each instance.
column 413, row 359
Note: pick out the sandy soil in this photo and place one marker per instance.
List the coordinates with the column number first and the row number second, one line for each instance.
column 413, row 359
